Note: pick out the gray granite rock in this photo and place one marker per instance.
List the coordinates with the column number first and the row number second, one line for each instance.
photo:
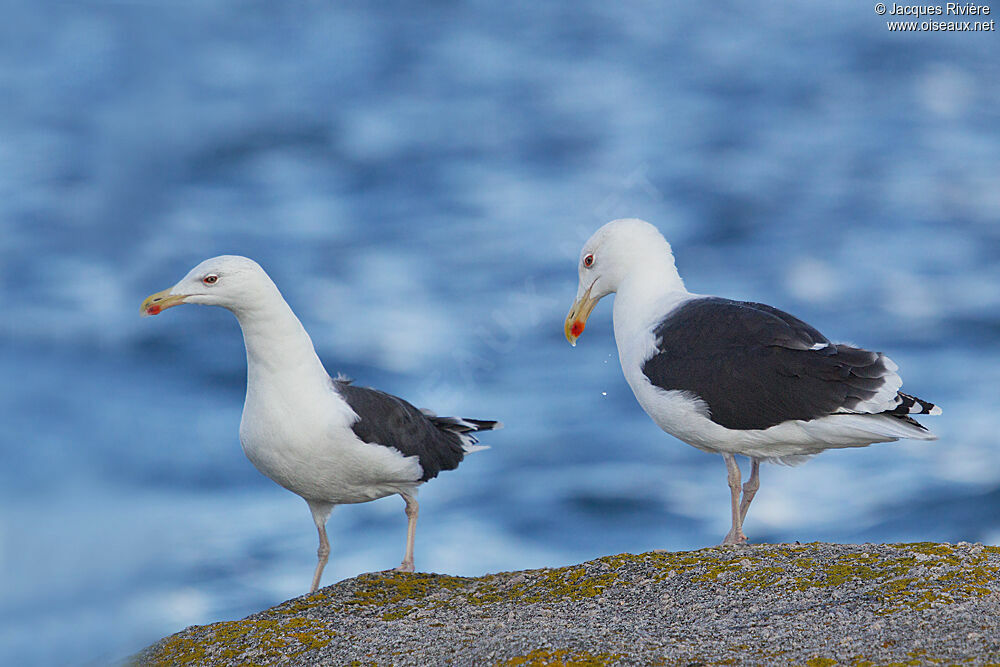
column 810, row 604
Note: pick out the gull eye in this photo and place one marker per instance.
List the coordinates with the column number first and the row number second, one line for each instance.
column 210, row 279
column 588, row 261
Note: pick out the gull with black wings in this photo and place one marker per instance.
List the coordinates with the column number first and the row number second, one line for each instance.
column 325, row 439
column 735, row 377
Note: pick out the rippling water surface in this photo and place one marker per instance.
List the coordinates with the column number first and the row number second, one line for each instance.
column 419, row 183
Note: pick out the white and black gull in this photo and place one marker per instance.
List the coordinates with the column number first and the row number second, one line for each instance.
column 735, row 377
column 325, row 439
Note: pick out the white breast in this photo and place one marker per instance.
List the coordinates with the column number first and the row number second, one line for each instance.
column 303, row 441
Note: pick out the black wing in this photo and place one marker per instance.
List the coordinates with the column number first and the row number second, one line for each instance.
column 755, row 366
column 390, row 421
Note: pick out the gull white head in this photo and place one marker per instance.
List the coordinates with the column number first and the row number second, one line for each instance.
column 617, row 251
column 230, row 281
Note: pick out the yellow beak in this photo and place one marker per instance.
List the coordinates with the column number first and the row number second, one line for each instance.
column 578, row 314
column 157, row 303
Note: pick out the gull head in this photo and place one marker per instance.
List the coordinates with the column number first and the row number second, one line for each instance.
column 230, row 281
column 616, row 251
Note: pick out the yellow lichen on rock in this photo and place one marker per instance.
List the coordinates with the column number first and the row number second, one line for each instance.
column 561, row 658
column 251, row 642
column 802, row 604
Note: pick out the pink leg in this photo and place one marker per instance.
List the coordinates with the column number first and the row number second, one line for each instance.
column 412, row 509
column 735, row 535
column 750, row 488
column 320, row 512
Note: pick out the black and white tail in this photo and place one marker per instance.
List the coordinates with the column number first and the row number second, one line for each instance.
column 901, row 417
column 464, row 428
column 911, row 405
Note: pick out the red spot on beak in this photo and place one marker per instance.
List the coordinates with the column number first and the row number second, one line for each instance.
column 153, row 310
column 577, row 328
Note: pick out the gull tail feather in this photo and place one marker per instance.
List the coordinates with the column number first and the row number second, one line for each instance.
column 464, row 428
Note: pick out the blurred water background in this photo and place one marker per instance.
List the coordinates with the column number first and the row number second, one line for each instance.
column 418, row 179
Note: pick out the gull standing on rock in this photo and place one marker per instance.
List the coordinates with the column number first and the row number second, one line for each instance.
column 322, row 438
column 735, row 377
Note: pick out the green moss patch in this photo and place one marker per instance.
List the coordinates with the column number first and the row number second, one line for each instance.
column 795, row 602
column 249, row 642
column 401, row 594
column 919, row 576
column 562, row 658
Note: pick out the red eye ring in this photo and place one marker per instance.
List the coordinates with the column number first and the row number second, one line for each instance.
column 210, row 279
column 588, row 261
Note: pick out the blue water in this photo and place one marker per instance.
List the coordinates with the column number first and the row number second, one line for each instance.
column 419, row 182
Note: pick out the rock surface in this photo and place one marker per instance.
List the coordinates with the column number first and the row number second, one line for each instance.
column 811, row 604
